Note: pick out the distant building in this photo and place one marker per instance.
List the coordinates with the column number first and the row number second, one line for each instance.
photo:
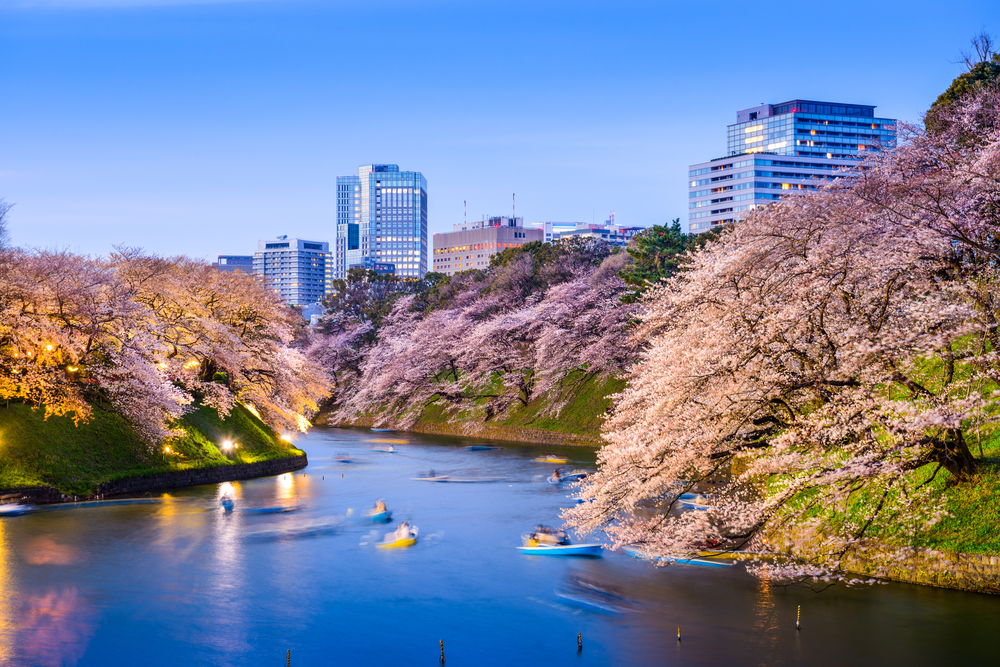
column 242, row 263
column 382, row 218
column 299, row 271
column 776, row 150
column 607, row 231
column 552, row 230
column 470, row 246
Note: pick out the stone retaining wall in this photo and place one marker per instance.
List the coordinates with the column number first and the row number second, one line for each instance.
column 161, row 481
column 930, row 567
column 486, row 432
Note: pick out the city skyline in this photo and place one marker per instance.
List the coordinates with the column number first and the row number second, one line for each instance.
column 199, row 128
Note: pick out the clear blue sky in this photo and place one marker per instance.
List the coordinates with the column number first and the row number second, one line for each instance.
column 200, row 127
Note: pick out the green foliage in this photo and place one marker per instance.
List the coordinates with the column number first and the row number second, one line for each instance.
column 981, row 74
column 75, row 459
column 585, row 401
column 220, row 378
column 657, row 253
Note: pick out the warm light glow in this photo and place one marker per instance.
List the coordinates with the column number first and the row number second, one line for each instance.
column 166, row 450
column 191, row 364
column 753, row 140
column 162, row 365
column 72, row 369
column 753, row 128
column 227, row 445
column 302, row 423
column 252, row 409
column 48, row 347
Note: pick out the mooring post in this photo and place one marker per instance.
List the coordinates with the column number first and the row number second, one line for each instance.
column 798, row 617
column 678, row 633
column 579, row 641
column 442, row 651
column 288, row 658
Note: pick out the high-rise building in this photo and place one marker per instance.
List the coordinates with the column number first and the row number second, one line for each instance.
column 382, row 218
column 242, row 263
column 299, row 271
column 471, row 245
column 775, row 150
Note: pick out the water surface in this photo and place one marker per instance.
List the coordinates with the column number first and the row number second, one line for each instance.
column 181, row 582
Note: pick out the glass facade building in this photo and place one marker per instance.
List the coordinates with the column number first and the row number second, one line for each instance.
column 776, row 150
column 299, row 271
column 382, row 218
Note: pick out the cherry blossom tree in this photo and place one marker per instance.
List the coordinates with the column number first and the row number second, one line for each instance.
column 824, row 360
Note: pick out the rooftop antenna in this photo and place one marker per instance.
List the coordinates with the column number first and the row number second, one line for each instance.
column 513, row 207
column 465, row 212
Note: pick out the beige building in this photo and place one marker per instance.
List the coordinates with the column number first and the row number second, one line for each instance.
column 470, row 246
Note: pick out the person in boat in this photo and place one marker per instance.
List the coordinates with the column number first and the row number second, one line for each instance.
column 379, row 506
column 556, row 476
column 403, row 532
column 547, row 535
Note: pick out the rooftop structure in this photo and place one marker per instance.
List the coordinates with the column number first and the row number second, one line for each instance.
column 776, row 150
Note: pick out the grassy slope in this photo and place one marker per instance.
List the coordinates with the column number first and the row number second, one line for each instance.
column 74, row 459
column 583, row 413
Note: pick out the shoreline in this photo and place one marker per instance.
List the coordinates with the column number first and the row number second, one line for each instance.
column 159, row 481
column 532, row 436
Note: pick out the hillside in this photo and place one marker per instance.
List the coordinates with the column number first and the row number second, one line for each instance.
column 75, row 459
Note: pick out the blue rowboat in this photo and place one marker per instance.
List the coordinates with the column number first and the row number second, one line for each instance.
column 479, row 448
column 277, row 509
column 635, row 552
column 16, row 509
column 380, row 517
column 228, row 503
column 586, row 550
column 383, row 430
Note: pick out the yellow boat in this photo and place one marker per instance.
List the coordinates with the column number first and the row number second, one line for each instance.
column 551, row 459
column 401, row 543
column 391, row 442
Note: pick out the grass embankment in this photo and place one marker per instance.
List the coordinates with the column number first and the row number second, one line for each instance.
column 75, row 459
column 585, row 404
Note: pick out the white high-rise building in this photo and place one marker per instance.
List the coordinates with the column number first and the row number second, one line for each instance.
column 299, row 271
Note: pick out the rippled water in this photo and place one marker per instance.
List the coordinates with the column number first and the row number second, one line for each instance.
column 181, row 582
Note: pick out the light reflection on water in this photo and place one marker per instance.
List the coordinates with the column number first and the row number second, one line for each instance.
column 183, row 581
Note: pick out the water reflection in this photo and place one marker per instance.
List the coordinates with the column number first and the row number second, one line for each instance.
column 6, row 599
column 47, row 550
column 55, row 627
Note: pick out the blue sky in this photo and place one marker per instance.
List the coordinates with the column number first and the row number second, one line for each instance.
column 197, row 128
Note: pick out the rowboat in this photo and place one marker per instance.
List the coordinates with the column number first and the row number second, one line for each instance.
column 479, row 448
column 533, row 548
column 15, row 509
column 380, row 517
column 278, row 509
column 385, row 450
column 383, row 430
column 634, row 552
column 693, row 505
column 552, row 458
column 569, row 477
column 385, row 441
column 228, row 503
column 401, row 543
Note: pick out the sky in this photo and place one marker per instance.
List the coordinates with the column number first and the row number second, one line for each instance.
column 198, row 128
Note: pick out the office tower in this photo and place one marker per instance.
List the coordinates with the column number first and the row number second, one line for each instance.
column 775, row 150
column 471, row 245
column 299, row 271
column 382, row 219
